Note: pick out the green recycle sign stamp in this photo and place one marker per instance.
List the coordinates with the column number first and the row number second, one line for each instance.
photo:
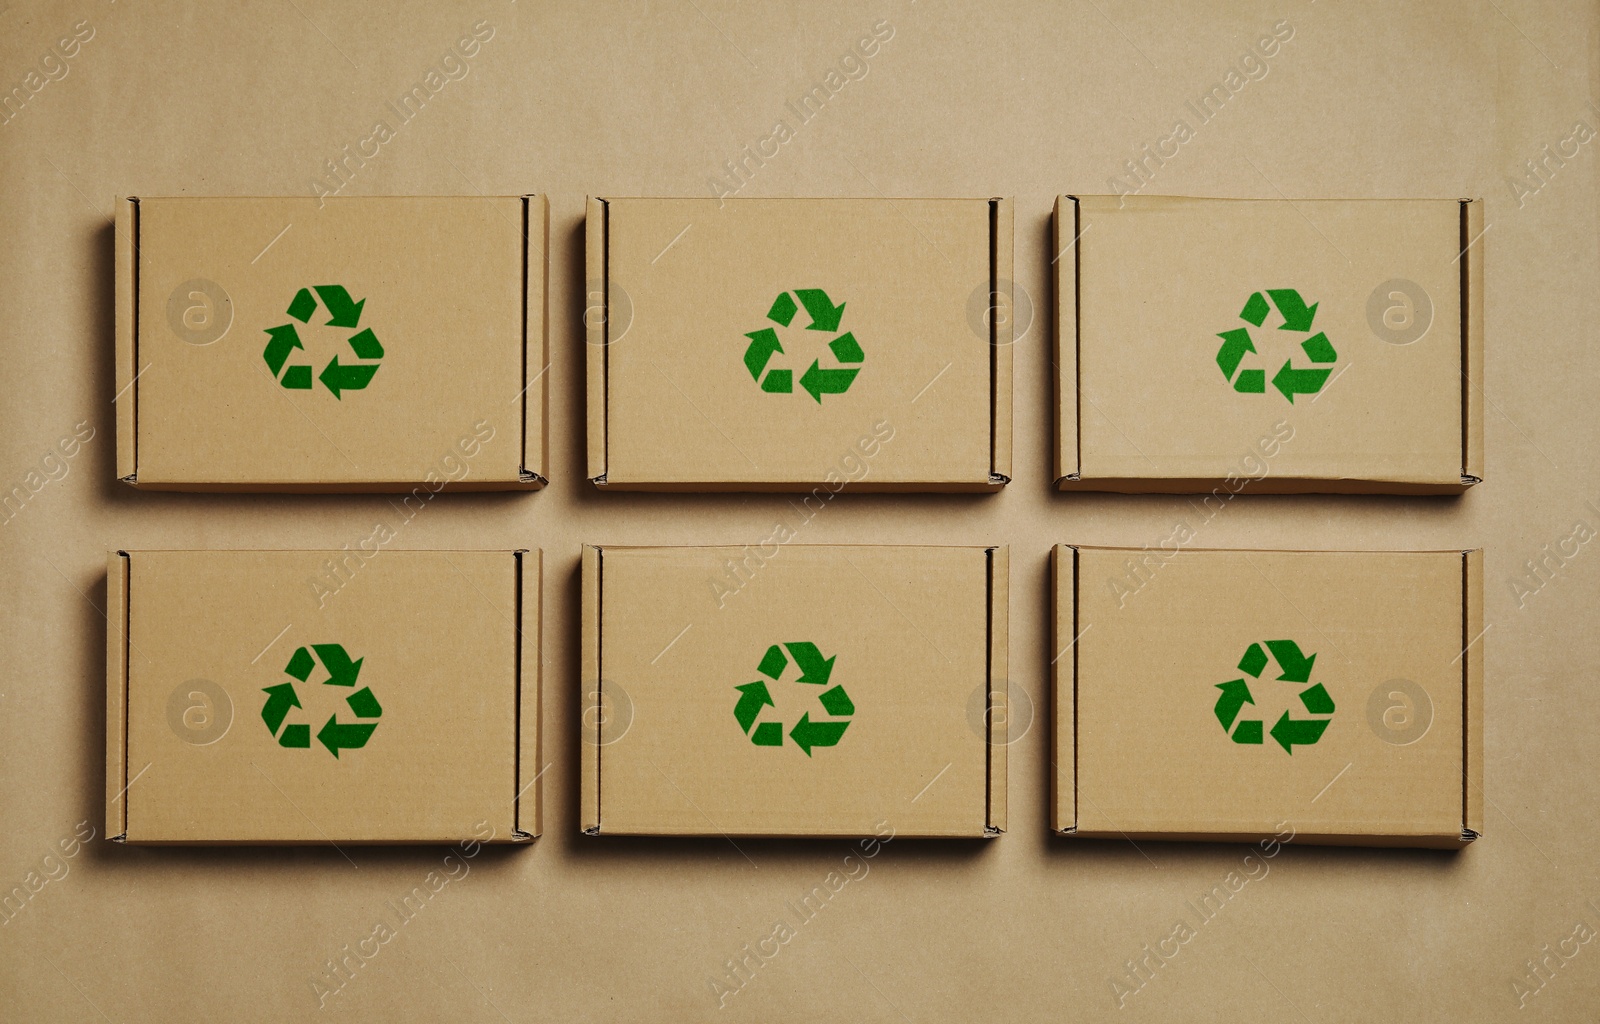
column 816, row 381
column 815, row 670
column 1295, row 667
column 1297, row 316
column 342, row 312
column 335, row 735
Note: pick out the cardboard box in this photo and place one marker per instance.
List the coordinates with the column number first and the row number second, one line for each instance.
column 819, row 691
column 360, row 344
column 247, row 704
column 1281, row 346
column 790, row 344
column 1335, row 696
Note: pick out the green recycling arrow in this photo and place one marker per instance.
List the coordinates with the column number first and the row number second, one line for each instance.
column 1298, row 382
column 752, row 698
column 343, row 312
column 1297, row 317
column 338, row 737
column 1292, row 732
column 1255, row 310
column 837, row 703
column 364, row 704
column 280, row 699
column 1294, row 666
column 342, row 672
column 303, row 305
column 349, row 377
column 284, row 341
column 819, row 382
column 1235, row 344
column 1254, row 660
column 300, row 665
column 825, row 316
column 763, row 345
column 816, row 381
column 815, row 669
column 807, row 734
column 1235, row 695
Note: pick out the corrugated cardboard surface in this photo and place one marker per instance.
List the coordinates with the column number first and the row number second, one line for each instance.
column 1139, row 747
column 1152, row 282
column 438, row 641
column 673, row 405
column 1031, row 101
column 452, row 289
column 907, row 634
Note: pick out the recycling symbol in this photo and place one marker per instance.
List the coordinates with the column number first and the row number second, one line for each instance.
column 814, row 669
column 1296, row 668
column 335, row 735
column 1297, row 316
column 825, row 316
column 342, row 312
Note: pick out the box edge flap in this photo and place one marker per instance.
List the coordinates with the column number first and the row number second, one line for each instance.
column 1068, row 457
column 996, row 735
column 596, row 239
column 535, row 303
column 590, row 682
column 1002, row 259
column 125, row 262
column 527, row 823
column 1472, row 663
column 118, row 580
column 1472, row 394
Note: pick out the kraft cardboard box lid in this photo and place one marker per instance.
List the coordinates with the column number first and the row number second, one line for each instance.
column 249, row 701
column 1305, row 345
column 1333, row 695
column 749, row 344
column 347, row 344
column 835, row 690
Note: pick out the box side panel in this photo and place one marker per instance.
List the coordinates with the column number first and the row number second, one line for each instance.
column 866, row 485
column 1002, row 331
column 1064, row 243
column 589, row 699
column 1425, row 841
column 1472, row 697
column 1063, row 675
column 1268, row 484
column 595, row 327
column 127, row 335
column 117, row 578
column 536, row 341
column 530, row 636
column 999, row 725
column 1472, row 395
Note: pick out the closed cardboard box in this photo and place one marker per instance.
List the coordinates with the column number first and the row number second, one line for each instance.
column 1332, row 696
column 360, row 344
column 250, row 700
column 811, row 691
column 788, row 344
column 1312, row 345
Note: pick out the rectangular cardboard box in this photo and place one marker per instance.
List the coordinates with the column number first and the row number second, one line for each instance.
column 1284, row 346
column 357, row 344
column 788, row 344
column 1243, row 695
column 249, row 700
column 826, row 691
